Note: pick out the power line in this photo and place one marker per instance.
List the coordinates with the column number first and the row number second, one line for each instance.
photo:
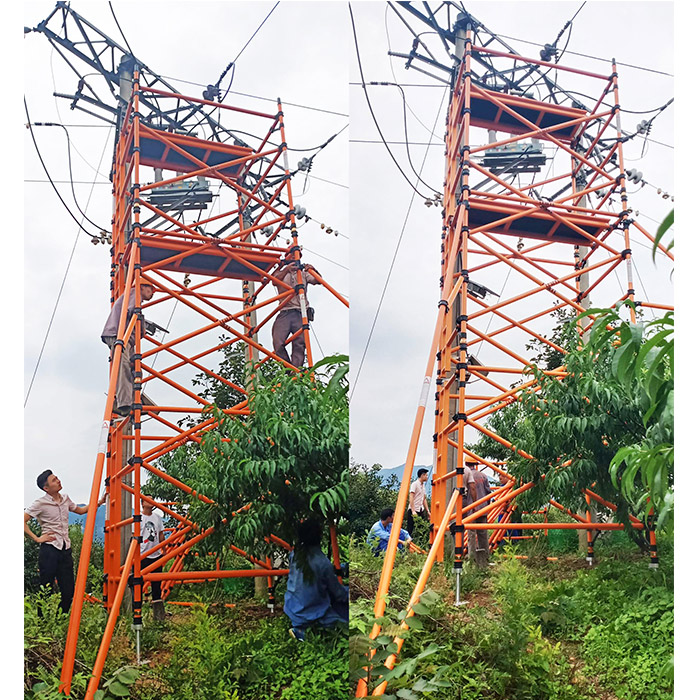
column 233, row 63
column 70, row 171
column 405, row 131
column 111, row 9
column 595, row 58
column 397, row 143
column 68, row 182
column 369, row 105
column 63, row 282
column 43, row 165
column 265, row 99
column 393, row 261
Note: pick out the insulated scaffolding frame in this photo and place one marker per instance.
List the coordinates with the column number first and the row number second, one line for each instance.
column 556, row 239
column 224, row 282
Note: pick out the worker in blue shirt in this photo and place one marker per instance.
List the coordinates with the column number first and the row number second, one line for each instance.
column 314, row 595
column 378, row 536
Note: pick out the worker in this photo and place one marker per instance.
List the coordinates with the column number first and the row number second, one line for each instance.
column 124, row 394
column 378, row 537
column 55, row 555
column 477, row 487
column 314, row 595
column 417, row 501
column 151, row 534
column 289, row 320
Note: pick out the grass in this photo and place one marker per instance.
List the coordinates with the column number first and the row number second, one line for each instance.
column 202, row 652
column 532, row 629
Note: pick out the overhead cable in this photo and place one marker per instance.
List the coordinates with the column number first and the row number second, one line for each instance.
column 43, row 165
column 233, row 63
column 393, row 260
column 63, row 282
column 371, row 110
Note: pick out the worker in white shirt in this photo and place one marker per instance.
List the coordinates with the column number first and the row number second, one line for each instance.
column 417, row 500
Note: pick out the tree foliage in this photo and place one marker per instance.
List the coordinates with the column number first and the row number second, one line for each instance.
column 288, row 460
column 607, row 425
column 370, row 495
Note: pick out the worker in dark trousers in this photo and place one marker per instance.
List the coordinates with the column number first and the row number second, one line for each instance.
column 55, row 555
column 477, row 487
column 124, row 394
column 289, row 320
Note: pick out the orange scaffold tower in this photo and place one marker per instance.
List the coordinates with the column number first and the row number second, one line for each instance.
column 557, row 240
column 224, row 281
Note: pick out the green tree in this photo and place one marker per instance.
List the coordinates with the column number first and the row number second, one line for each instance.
column 288, row 460
column 232, row 368
column 370, row 495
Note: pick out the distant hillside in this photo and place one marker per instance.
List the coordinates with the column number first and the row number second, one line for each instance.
column 386, row 474
column 99, row 522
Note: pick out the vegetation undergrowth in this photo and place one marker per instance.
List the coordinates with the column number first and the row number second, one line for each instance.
column 529, row 629
column 201, row 652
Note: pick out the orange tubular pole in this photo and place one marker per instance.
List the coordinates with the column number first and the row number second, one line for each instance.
column 186, row 576
column 420, row 584
column 392, row 545
column 111, row 622
column 81, row 577
column 336, row 551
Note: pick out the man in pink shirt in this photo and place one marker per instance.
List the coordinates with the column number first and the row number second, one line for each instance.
column 55, row 556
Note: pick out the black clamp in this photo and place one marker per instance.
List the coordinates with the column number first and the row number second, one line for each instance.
column 462, row 318
column 298, row 287
column 459, row 470
column 137, row 518
column 443, row 302
column 305, row 326
column 434, row 440
column 627, row 252
column 462, row 365
column 466, row 110
column 459, row 417
column 294, row 249
column 439, row 381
